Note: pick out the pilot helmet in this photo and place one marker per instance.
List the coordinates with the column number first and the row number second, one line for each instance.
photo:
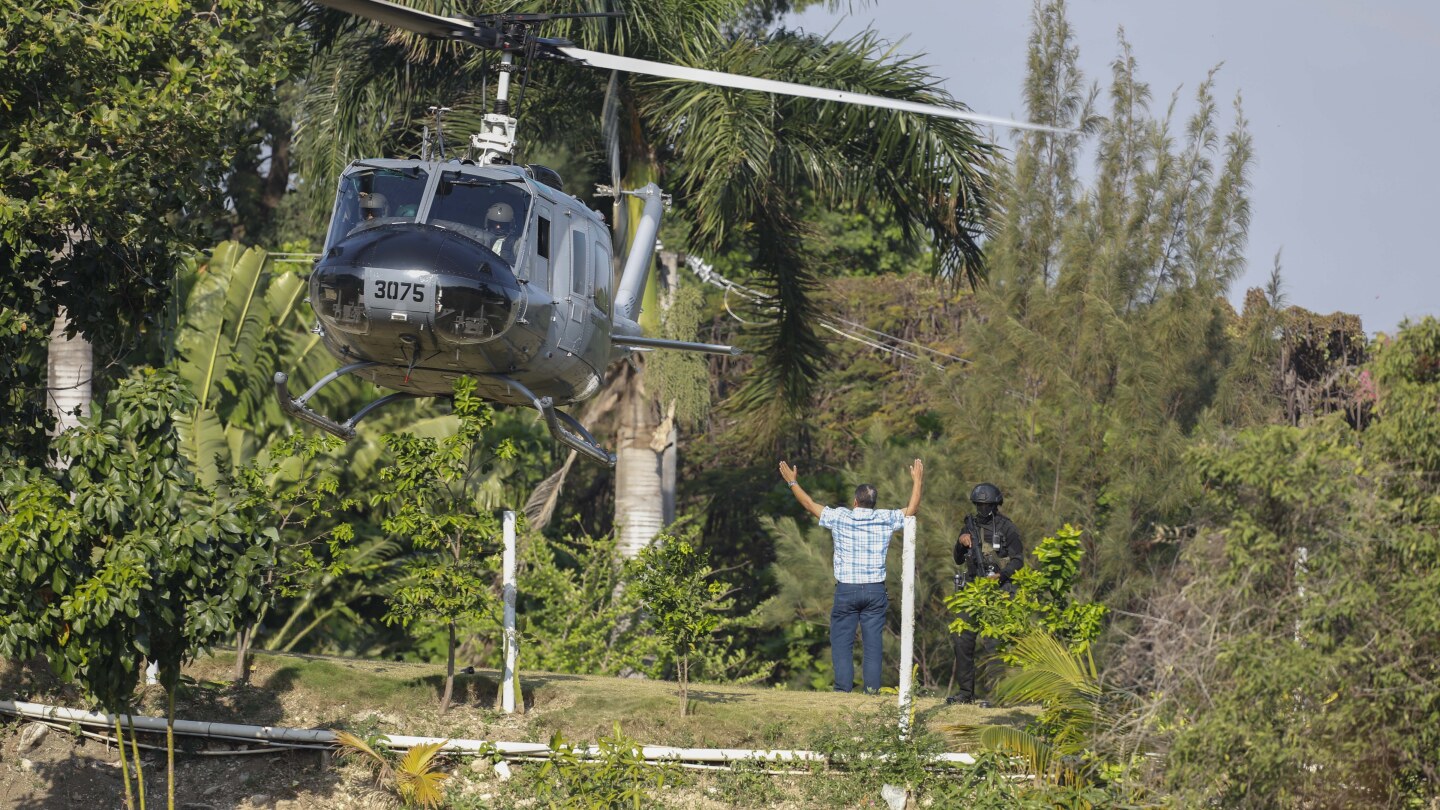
column 500, row 218
column 373, row 204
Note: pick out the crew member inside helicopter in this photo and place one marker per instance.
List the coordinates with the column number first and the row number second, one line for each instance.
column 500, row 229
column 373, row 205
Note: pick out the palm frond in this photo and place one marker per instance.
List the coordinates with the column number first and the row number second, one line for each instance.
column 349, row 745
column 541, row 505
column 418, row 779
column 1050, row 674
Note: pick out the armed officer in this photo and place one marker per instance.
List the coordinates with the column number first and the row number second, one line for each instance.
column 988, row 547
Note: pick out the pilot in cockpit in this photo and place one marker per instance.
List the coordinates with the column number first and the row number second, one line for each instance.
column 373, row 205
column 500, row 229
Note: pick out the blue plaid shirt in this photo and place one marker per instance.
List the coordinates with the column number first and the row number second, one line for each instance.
column 862, row 536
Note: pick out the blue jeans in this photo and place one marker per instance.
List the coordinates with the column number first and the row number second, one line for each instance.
column 862, row 605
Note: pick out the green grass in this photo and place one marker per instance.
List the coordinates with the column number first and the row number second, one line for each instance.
column 368, row 697
column 403, row 698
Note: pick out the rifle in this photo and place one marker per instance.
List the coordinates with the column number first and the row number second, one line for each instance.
column 974, row 559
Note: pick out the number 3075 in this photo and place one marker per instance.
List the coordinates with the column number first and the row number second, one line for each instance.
column 399, row 291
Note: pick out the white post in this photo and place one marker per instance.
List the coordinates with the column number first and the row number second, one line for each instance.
column 907, row 623
column 507, row 676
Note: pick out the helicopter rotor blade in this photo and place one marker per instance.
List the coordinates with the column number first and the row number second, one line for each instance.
column 713, row 77
column 476, row 32
column 398, row 16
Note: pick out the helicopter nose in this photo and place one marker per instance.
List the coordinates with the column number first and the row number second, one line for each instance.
column 408, row 279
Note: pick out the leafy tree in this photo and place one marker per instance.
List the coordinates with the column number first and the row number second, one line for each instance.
column 1292, row 658
column 1099, row 346
column 575, row 609
column 240, row 317
column 681, row 601
column 429, row 492
column 114, row 125
column 1042, row 601
column 125, row 555
column 1065, row 745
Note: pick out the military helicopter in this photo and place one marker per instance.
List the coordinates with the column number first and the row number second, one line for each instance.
column 439, row 267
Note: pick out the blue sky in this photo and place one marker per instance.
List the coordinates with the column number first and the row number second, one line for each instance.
column 1342, row 98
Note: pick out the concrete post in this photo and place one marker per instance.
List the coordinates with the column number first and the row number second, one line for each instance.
column 507, row 677
column 907, row 623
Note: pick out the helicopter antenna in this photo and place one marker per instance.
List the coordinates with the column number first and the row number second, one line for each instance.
column 438, row 112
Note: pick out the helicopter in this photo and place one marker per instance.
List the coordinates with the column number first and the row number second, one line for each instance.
column 439, row 267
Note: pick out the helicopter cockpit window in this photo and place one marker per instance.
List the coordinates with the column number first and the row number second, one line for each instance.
column 376, row 197
column 493, row 212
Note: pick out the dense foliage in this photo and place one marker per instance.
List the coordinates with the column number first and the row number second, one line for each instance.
column 125, row 556
column 115, row 137
column 1294, row 654
column 1041, row 600
column 1253, row 510
column 428, row 495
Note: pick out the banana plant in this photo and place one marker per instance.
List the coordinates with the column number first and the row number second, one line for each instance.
column 241, row 318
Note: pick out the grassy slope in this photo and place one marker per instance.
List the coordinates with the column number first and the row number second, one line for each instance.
column 403, row 698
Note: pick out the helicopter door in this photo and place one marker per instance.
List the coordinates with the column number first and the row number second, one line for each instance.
column 602, row 271
column 575, row 308
column 540, row 257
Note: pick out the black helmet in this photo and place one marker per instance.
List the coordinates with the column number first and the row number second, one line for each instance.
column 986, row 493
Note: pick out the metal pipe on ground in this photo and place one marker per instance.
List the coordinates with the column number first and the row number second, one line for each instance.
column 298, row 737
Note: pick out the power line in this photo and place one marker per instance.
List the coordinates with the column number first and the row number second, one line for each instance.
column 850, row 330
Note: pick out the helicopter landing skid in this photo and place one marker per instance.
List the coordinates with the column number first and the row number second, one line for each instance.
column 296, row 407
column 565, row 428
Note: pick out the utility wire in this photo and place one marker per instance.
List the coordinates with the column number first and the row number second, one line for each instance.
column 850, row 330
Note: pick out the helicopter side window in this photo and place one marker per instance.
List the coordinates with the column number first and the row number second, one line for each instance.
column 375, row 197
column 542, row 238
column 492, row 212
column 578, row 271
column 603, row 274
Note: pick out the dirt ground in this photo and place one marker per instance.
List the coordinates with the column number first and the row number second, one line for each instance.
column 67, row 771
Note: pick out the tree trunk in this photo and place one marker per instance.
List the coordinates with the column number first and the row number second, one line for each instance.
column 71, row 368
column 242, row 655
column 645, row 469
column 683, row 671
column 170, row 746
column 449, row 672
column 639, row 470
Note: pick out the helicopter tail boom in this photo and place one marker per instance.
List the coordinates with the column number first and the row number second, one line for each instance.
column 637, row 265
column 678, row 345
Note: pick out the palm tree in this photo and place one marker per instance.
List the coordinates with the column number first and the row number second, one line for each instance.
column 1075, row 701
column 742, row 165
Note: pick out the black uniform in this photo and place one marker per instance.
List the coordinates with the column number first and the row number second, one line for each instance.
column 1000, row 550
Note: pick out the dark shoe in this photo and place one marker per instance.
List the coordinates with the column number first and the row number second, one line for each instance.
column 954, row 699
